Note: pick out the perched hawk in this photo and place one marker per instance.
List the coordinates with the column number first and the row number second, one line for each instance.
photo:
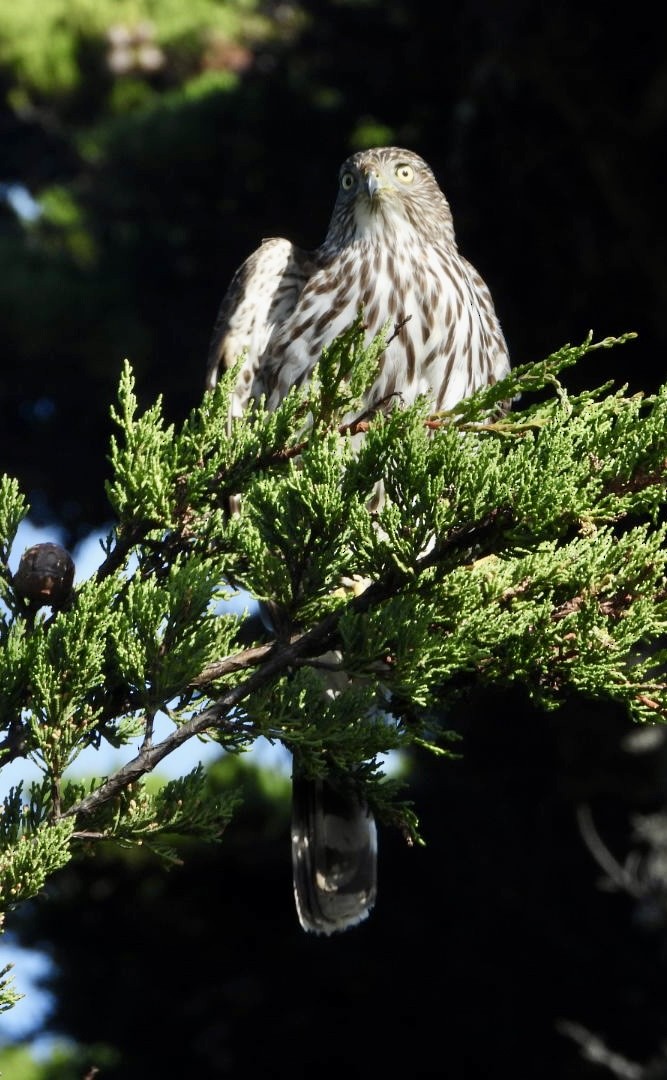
column 390, row 249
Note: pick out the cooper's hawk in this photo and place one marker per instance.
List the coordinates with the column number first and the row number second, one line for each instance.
column 390, row 250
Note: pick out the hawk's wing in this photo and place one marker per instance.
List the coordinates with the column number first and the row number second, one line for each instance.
column 333, row 831
column 261, row 296
column 496, row 361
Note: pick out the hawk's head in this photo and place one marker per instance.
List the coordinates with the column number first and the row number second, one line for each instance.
column 383, row 192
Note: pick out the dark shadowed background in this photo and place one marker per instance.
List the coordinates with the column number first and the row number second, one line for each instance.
column 153, row 174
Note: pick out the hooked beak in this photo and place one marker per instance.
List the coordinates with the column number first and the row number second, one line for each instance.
column 373, row 184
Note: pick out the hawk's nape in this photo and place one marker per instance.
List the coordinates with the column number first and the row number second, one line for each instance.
column 390, row 251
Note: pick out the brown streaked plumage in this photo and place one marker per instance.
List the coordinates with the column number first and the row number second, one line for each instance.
column 390, row 249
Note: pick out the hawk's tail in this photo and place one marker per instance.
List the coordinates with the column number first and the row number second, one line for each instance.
column 334, row 854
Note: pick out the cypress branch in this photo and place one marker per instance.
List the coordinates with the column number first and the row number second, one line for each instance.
column 523, row 548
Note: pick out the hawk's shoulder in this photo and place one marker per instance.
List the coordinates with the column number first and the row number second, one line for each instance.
column 261, row 295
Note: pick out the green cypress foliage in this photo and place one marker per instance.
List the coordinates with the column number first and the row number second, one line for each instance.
column 523, row 547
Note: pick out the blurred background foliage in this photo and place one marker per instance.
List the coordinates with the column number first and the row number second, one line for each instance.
column 147, row 146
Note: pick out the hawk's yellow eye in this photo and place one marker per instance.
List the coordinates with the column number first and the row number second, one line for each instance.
column 346, row 181
column 404, row 173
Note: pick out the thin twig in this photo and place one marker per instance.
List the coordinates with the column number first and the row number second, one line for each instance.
column 616, row 873
column 274, row 658
column 124, row 543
